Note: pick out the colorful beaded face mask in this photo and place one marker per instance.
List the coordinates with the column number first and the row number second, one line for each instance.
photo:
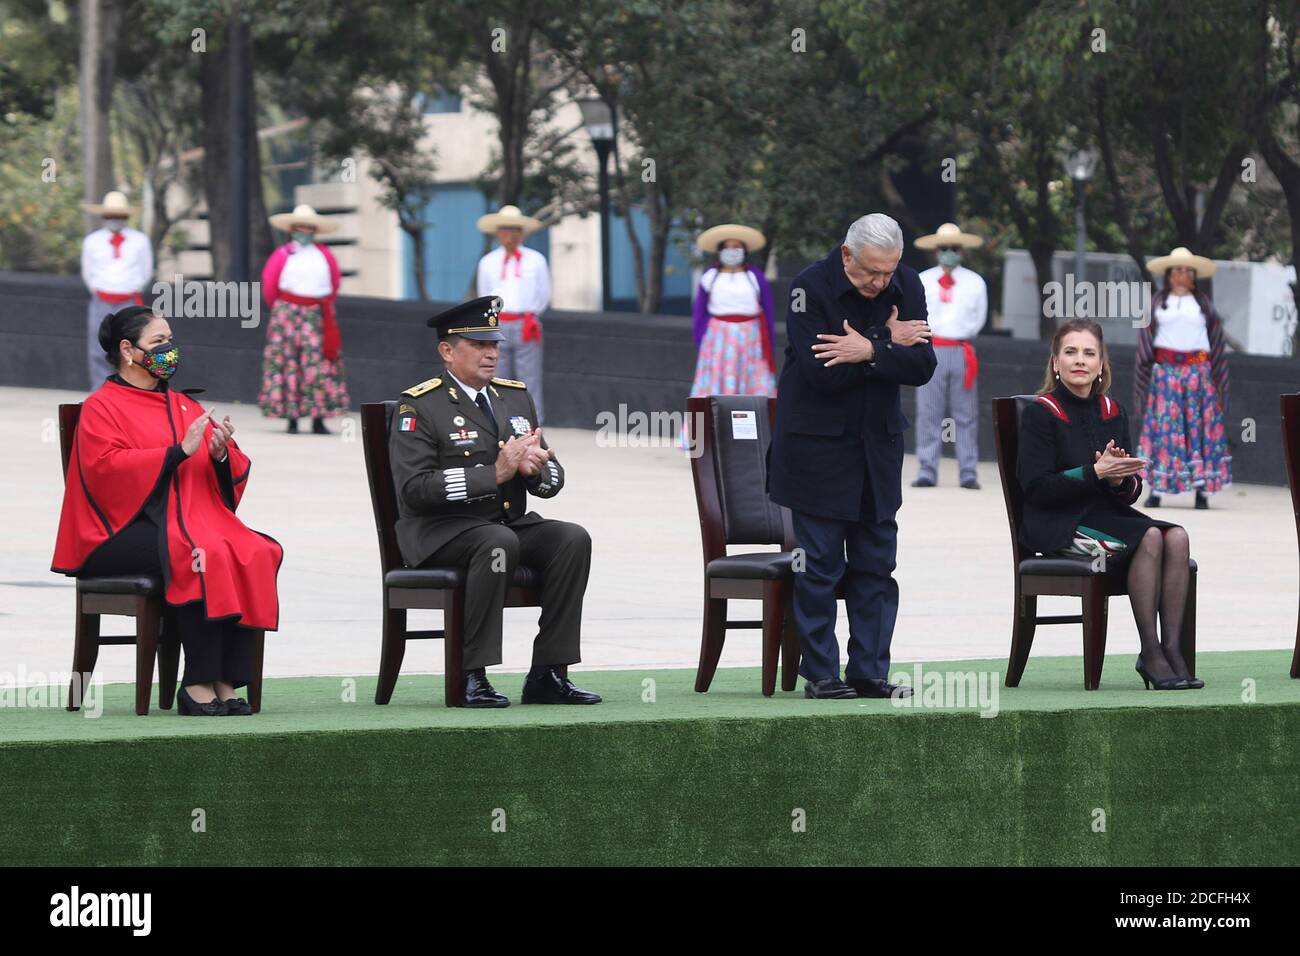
column 162, row 361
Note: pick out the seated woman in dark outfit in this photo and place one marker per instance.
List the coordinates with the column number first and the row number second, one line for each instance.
column 1080, row 483
column 153, row 483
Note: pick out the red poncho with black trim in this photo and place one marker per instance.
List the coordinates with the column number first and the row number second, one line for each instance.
column 119, row 455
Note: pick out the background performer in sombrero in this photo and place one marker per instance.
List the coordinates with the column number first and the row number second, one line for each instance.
column 733, row 323
column 957, row 301
column 521, row 278
column 116, row 263
column 302, row 365
column 1180, row 384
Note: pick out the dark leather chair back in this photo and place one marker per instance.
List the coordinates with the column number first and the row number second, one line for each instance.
column 731, row 473
column 740, row 464
column 376, row 420
column 69, row 416
column 1006, row 436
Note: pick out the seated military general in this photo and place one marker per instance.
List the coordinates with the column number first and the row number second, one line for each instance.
column 466, row 453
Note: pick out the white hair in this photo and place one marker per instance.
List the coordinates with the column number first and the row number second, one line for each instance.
column 875, row 229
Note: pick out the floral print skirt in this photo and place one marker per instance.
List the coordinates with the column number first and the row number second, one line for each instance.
column 297, row 379
column 731, row 361
column 1182, row 431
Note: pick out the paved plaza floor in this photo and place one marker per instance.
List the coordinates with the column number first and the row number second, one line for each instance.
column 644, row 599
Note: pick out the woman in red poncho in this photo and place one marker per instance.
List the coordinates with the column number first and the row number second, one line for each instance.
column 152, row 487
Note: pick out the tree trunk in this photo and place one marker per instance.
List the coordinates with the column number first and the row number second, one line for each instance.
column 1287, row 172
column 1041, row 254
column 100, row 23
column 660, row 212
column 214, row 85
column 416, row 231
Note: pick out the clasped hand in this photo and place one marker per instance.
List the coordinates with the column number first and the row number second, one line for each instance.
column 216, row 440
column 1114, row 464
column 523, row 454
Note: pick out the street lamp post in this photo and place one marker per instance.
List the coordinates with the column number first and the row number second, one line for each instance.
column 1079, row 165
column 598, row 118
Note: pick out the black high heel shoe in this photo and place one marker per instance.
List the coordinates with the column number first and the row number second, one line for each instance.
column 187, row 706
column 1153, row 501
column 1173, row 683
column 1202, row 502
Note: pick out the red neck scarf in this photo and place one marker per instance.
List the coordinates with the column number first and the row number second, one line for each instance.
column 519, row 263
column 946, row 282
column 116, row 240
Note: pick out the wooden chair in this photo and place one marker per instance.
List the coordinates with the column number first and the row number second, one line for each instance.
column 137, row 596
column 419, row 588
column 1036, row 576
column 1291, row 447
column 731, row 496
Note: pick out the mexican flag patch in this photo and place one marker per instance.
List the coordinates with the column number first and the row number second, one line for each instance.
column 407, row 424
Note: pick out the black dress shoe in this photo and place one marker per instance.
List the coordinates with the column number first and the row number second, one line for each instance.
column 971, row 483
column 293, row 426
column 546, row 685
column 187, row 706
column 923, row 483
column 832, row 688
column 1202, row 502
column 1153, row 501
column 318, row 427
column 479, row 692
column 238, row 707
column 879, row 687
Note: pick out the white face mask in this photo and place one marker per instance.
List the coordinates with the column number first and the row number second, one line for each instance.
column 731, row 257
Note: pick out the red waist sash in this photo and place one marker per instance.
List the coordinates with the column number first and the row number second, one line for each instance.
column 972, row 363
column 331, row 340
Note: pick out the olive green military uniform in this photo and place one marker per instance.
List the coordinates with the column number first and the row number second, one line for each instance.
column 444, row 449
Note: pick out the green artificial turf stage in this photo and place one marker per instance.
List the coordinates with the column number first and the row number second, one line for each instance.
column 1192, row 777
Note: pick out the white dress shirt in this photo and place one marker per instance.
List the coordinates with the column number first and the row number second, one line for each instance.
column 964, row 316
column 306, row 273
column 526, row 285
column 128, row 271
column 472, row 393
column 1180, row 325
column 731, row 293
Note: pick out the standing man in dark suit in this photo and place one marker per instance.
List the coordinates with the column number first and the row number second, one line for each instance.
column 466, row 453
column 857, row 330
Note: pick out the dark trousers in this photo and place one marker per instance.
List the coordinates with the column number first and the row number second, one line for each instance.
column 214, row 650
column 871, row 593
column 559, row 550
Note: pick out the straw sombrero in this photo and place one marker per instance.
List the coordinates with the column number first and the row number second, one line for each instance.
column 1182, row 256
column 507, row 217
column 710, row 239
column 948, row 235
column 303, row 215
column 114, row 206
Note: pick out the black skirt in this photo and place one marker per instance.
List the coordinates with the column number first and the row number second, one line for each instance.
column 1123, row 522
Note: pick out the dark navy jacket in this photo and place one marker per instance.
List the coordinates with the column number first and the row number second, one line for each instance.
column 839, row 427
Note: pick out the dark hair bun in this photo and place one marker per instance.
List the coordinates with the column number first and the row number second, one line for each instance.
column 126, row 324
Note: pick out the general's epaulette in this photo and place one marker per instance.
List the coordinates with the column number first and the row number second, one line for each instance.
column 415, row 391
column 1054, row 406
column 511, row 383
